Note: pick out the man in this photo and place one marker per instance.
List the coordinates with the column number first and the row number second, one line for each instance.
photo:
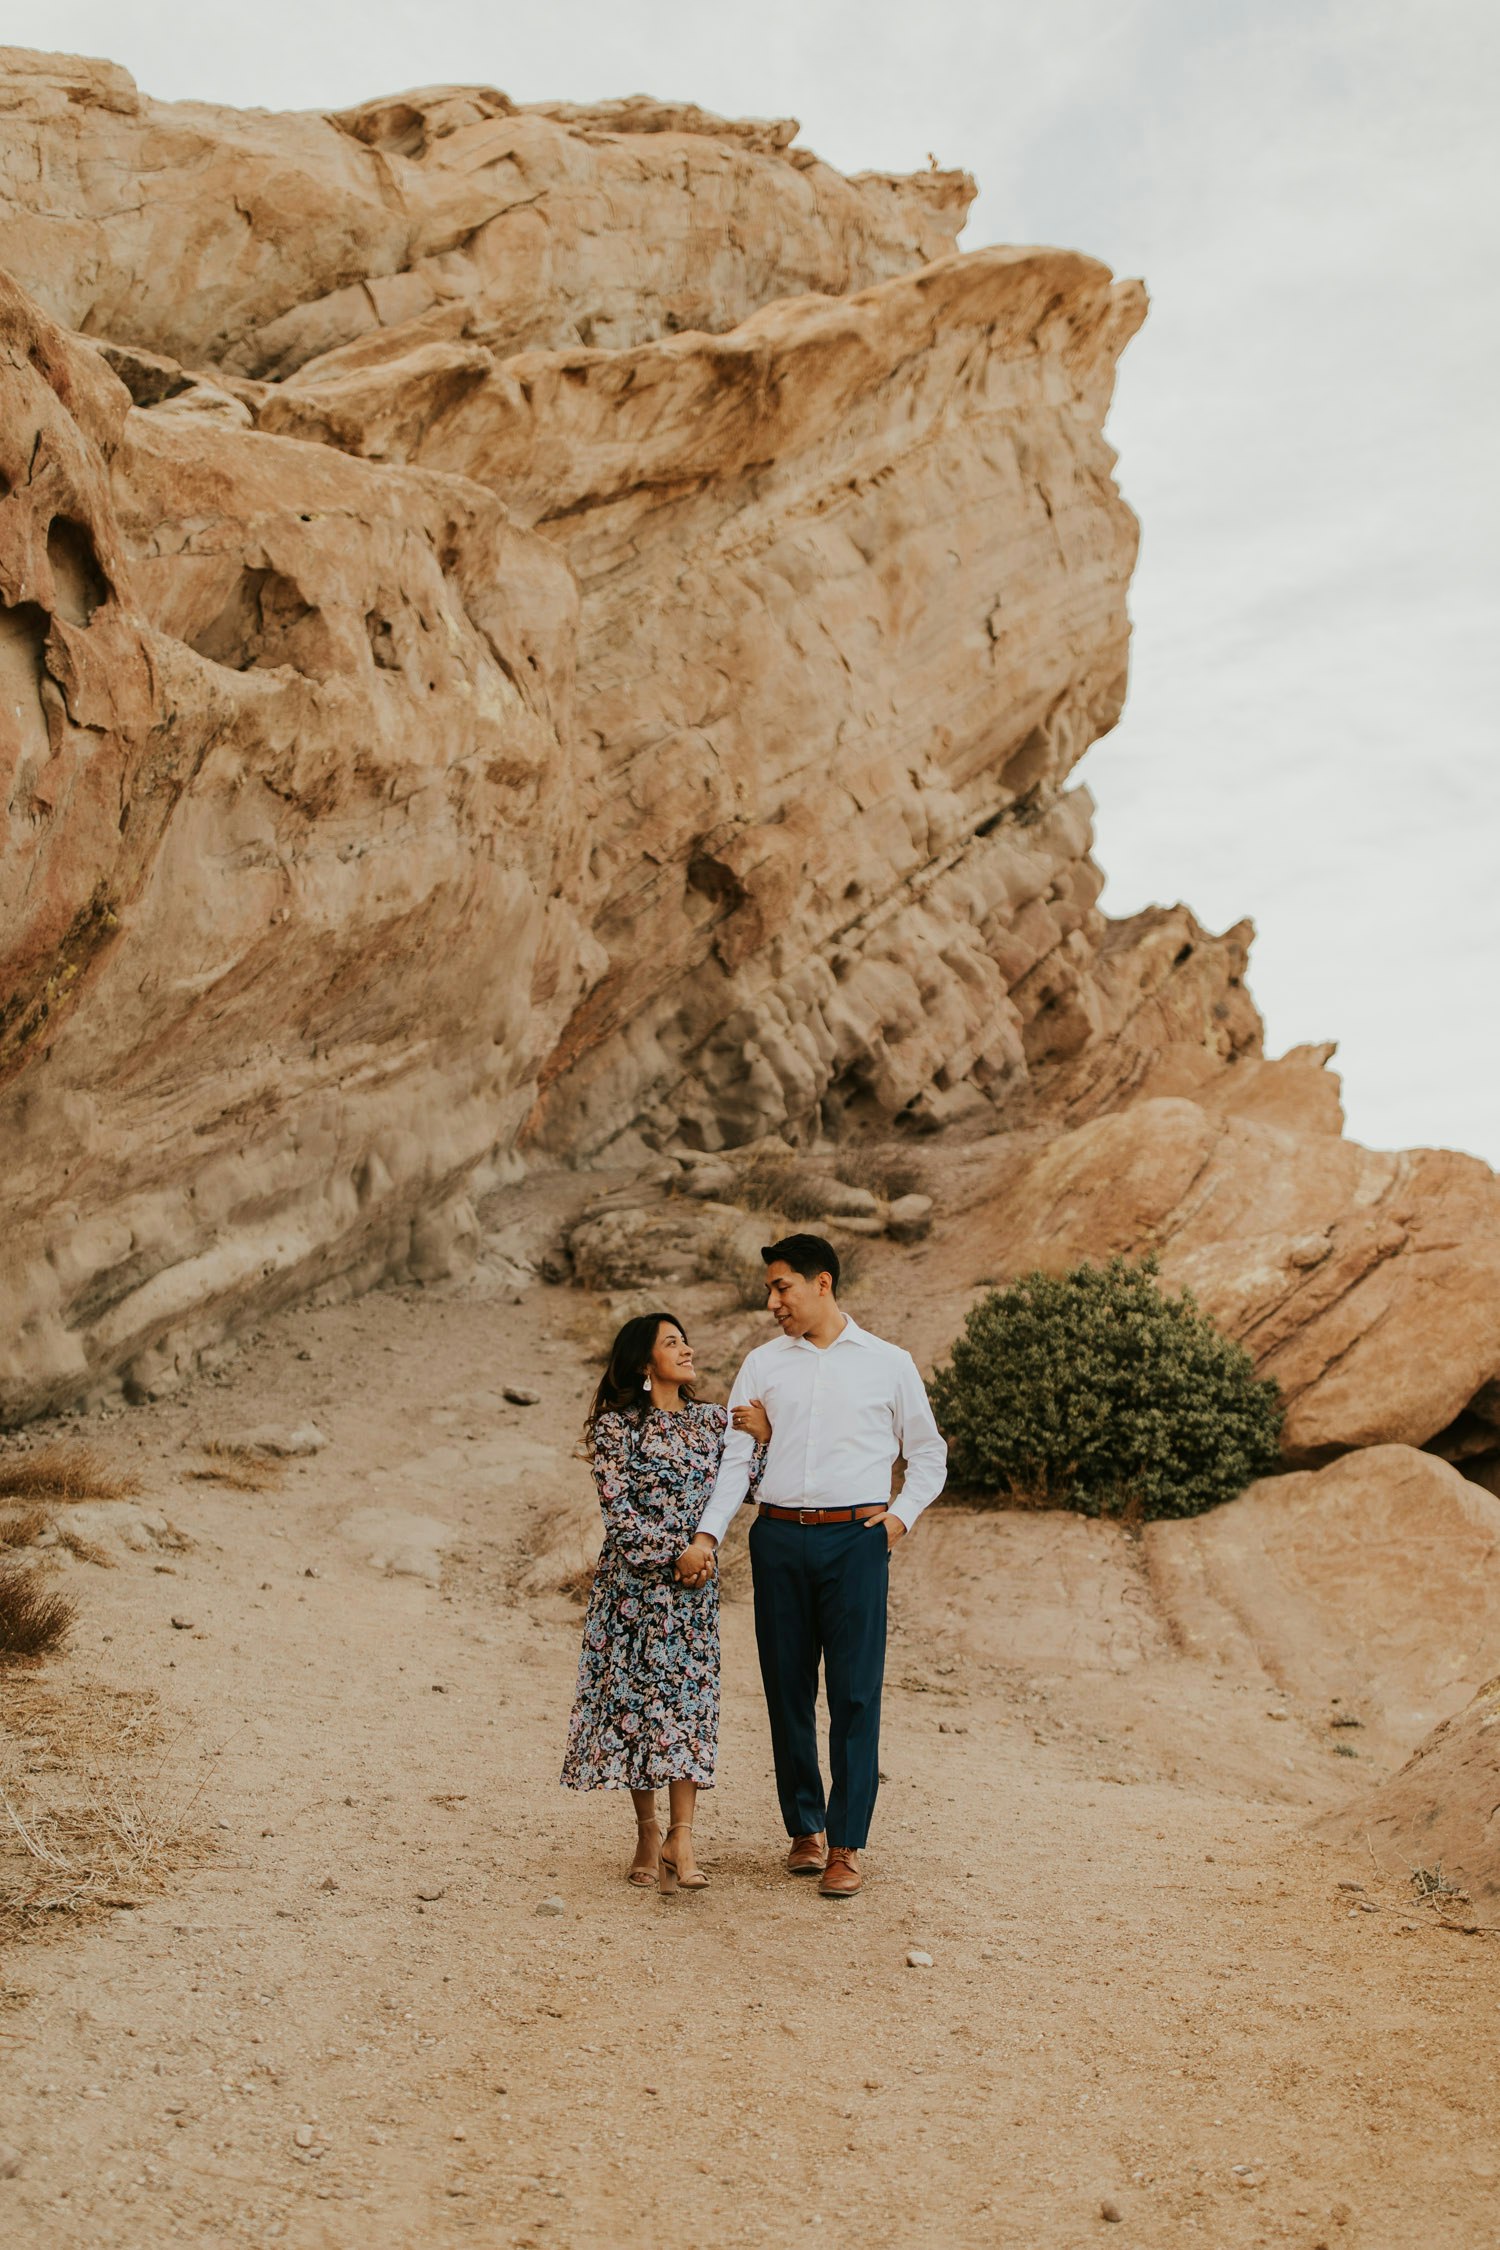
column 843, row 1404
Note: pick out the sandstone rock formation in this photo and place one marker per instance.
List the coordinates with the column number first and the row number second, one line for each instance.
column 1438, row 1819
column 289, row 829
column 644, row 710
column 268, row 241
column 568, row 632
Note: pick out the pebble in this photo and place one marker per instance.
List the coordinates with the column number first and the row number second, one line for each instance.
column 283, row 1444
column 520, row 1396
column 304, row 2136
column 10, row 2162
column 433, row 1891
column 551, row 1906
column 1111, row 2211
column 918, row 1960
column 183, row 1624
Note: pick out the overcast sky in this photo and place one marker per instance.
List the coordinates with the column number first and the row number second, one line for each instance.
column 1307, row 426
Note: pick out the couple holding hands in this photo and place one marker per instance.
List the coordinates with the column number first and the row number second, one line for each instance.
column 815, row 1422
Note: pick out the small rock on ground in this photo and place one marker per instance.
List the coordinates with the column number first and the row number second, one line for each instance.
column 551, row 1906
column 284, row 1444
column 520, row 1396
column 918, row 1960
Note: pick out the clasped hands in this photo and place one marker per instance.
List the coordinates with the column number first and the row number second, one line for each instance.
column 696, row 1565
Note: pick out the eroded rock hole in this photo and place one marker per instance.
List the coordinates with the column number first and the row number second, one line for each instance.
column 382, row 641
column 714, row 880
column 80, row 585
column 1471, row 1442
column 263, row 622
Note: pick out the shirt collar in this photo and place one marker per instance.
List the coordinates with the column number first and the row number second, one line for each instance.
column 850, row 1333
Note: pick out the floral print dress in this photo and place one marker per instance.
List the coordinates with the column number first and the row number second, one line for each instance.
column 647, row 1709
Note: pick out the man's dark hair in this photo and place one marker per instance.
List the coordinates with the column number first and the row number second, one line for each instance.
column 807, row 1254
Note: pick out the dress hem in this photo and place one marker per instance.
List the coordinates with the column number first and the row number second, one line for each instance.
column 663, row 1781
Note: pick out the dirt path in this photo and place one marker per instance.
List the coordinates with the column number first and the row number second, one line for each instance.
column 1144, row 1990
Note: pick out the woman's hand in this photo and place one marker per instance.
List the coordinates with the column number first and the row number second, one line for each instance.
column 754, row 1421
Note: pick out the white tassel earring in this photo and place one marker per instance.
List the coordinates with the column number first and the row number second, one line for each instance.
column 646, row 1385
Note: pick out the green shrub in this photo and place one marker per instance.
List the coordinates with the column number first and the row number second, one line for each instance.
column 1093, row 1390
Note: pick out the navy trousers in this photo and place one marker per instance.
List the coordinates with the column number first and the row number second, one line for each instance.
column 820, row 1595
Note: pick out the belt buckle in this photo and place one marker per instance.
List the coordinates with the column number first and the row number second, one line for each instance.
column 808, row 1515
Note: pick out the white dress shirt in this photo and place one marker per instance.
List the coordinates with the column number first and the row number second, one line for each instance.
column 840, row 1415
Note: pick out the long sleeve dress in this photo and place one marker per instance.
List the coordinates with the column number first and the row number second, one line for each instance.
column 647, row 1708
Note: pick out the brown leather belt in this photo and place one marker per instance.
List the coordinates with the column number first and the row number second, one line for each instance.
column 820, row 1515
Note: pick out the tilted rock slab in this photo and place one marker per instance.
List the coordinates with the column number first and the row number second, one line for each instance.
column 852, row 583
column 1439, row 1817
column 1369, row 1591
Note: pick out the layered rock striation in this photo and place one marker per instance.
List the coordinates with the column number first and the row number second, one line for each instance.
column 290, row 827
column 553, row 627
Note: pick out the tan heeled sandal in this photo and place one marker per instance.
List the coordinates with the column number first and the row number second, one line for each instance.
column 668, row 1879
column 644, row 1878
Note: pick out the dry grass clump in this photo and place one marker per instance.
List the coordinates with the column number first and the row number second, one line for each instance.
column 84, row 1550
column 87, row 1824
column 889, row 1177
column 769, row 1184
column 125, row 1837
column 32, row 1619
column 24, row 1528
column 240, row 1467
column 62, row 1472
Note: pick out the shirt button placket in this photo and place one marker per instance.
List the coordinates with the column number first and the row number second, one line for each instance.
column 809, row 1479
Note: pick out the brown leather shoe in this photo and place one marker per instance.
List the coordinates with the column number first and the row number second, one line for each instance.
column 841, row 1877
column 808, row 1855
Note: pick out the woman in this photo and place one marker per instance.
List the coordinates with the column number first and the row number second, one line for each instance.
column 647, row 1709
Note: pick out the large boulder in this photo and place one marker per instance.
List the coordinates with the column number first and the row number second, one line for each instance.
column 1367, row 1590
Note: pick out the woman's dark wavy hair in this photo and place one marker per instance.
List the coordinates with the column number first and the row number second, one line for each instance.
column 622, row 1385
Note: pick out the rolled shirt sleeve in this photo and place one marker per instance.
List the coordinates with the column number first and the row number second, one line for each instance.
column 740, row 1466
column 921, row 1443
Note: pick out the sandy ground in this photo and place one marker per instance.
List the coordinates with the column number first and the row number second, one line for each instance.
column 349, row 2024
